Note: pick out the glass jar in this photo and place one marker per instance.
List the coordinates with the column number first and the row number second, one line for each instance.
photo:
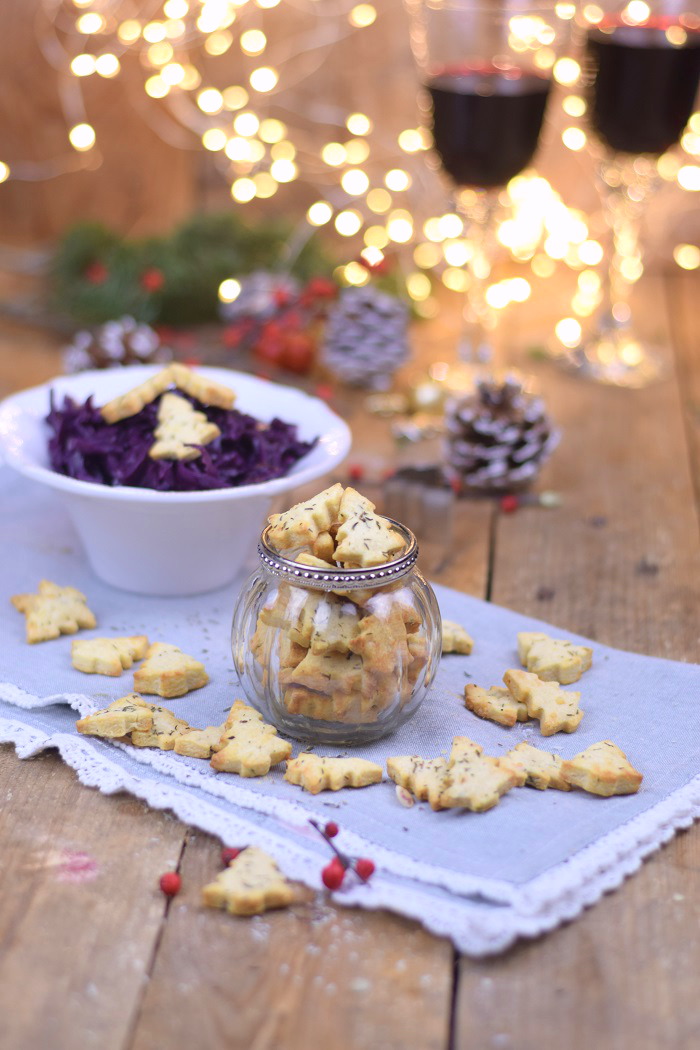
column 339, row 656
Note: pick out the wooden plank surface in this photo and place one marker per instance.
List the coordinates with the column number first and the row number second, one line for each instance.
column 618, row 561
column 80, row 908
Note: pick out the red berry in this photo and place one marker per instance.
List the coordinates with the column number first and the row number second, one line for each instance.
column 322, row 288
column 152, row 280
column 228, row 854
column 509, row 503
column 364, row 868
column 170, row 883
column 331, row 829
column 298, row 353
column 333, row 874
column 356, row 472
column 96, row 273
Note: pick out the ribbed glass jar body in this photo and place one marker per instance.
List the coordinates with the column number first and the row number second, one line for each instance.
column 336, row 657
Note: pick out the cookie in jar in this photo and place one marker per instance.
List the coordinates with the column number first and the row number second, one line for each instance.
column 336, row 636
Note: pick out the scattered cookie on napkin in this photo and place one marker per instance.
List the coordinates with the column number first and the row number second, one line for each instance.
column 108, row 656
column 496, row 704
column 423, row 777
column 169, row 672
column 53, row 611
column 248, row 746
column 473, row 780
column 557, row 710
column 314, row 773
column 534, row 767
column 455, row 639
column 121, row 717
column 602, row 769
column 250, row 885
column 164, row 732
column 199, row 743
column 553, row 659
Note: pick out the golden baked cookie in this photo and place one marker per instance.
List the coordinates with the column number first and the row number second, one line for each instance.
column 53, row 611
column 557, row 710
column 251, row 884
column 108, row 656
column 169, row 672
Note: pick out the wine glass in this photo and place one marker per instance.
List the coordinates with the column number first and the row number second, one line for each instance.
column 641, row 72
column 486, row 66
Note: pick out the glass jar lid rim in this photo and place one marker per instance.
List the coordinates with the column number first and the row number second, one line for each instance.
column 341, row 578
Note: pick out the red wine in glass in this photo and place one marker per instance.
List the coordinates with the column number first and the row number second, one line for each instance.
column 643, row 87
column 486, row 124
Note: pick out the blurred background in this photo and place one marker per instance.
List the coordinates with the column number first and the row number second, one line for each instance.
column 295, row 126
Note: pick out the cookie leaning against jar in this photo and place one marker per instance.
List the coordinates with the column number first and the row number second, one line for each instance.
column 337, row 636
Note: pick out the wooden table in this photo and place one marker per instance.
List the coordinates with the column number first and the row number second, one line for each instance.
column 108, row 964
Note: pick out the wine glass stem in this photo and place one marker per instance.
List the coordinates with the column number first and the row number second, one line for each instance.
column 625, row 193
column 478, row 317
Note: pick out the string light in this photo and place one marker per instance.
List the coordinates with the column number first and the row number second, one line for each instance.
column 686, row 255
column 283, row 170
column 400, row 226
column 376, row 236
column 187, row 50
column 319, row 213
column 214, row 139
column 410, row 140
column 379, row 201
column 566, row 71
column 418, row 286
column 82, row 137
column 90, row 23
column 334, row 154
column 229, row 290
column 264, row 79
column 348, row 222
column 689, row 177
column 83, row 65
column 253, row 42
column 397, row 179
column 568, row 331
column 107, row 65
column 246, row 123
column 574, row 138
column 271, row 130
column 243, row 190
column 355, row 182
column 362, row 15
column 356, row 151
column 358, row 124
column 210, row 101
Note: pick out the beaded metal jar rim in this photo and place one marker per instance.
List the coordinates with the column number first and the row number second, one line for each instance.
column 341, row 579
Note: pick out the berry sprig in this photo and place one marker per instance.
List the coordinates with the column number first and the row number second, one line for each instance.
column 333, row 874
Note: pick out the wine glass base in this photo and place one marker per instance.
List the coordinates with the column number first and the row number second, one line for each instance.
column 615, row 358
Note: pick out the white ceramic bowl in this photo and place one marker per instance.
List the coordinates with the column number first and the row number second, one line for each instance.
column 169, row 543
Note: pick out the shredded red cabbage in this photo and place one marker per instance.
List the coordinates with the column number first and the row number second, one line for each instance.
column 83, row 446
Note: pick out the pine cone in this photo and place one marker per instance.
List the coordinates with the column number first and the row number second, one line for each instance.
column 366, row 337
column 498, row 437
column 122, row 342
